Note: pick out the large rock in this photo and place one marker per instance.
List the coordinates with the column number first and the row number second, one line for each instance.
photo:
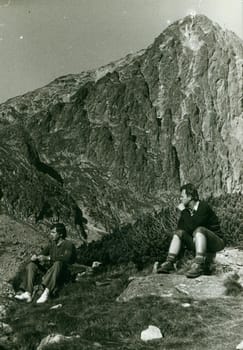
column 228, row 280
column 175, row 286
column 123, row 136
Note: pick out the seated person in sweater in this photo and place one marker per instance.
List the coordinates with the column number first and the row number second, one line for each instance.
column 198, row 229
column 52, row 264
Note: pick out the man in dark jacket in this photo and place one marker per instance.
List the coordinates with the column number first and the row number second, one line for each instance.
column 52, row 264
column 198, row 229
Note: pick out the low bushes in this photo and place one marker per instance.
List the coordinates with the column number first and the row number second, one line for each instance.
column 229, row 208
column 145, row 241
column 148, row 239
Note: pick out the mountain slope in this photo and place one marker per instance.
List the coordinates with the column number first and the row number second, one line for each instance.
column 124, row 137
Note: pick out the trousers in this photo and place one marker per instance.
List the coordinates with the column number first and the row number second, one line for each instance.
column 214, row 242
column 51, row 277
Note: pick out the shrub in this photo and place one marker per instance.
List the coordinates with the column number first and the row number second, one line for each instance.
column 148, row 239
column 229, row 208
column 145, row 241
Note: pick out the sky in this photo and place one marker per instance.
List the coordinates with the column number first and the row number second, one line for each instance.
column 41, row 40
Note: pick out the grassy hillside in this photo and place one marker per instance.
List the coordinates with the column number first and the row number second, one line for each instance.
column 89, row 309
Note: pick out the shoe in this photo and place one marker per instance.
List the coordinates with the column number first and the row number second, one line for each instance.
column 166, row 267
column 197, row 269
column 44, row 297
column 26, row 296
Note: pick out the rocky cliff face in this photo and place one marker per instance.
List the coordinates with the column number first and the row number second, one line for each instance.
column 118, row 140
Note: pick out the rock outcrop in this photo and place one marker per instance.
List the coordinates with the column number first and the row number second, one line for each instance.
column 227, row 280
column 116, row 140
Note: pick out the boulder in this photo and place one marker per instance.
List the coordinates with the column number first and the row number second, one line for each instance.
column 220, row 285
column 151, row 333
column 54, row 339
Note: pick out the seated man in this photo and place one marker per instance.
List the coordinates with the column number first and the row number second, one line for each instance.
column 198, row 229
column 51, row 264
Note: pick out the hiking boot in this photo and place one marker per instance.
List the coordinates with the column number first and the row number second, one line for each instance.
column 197, row 269
column 166, row 267
column 26, row 296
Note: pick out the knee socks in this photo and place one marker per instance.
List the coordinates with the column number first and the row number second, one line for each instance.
column 200, row 258
column 171, row 257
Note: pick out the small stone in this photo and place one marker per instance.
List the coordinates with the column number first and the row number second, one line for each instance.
column 131, row 278
column 54, row 339
column 80, row 275
column 5, row 328
column 181, row 290
column 151, row 333
column 98, row 345
column 155, row 267
column 96, row 264
column 58, row 306
column 50, row 339
column 240, row 346
column 185, row 305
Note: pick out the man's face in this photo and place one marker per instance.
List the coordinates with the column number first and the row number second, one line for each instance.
column 185, row 199
column 54, row 235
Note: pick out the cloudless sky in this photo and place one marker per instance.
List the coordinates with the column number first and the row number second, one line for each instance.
column 44, row 39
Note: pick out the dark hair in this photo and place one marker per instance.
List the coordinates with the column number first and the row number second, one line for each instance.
column 60, row 228
column 190, row 190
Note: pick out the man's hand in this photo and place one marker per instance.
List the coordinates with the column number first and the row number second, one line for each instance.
column 34, row 257
column 181, row 207
column 43, row 258
column 40, row 258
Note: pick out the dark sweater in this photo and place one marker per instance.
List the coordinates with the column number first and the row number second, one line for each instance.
column 64, row 252
column 204, row 216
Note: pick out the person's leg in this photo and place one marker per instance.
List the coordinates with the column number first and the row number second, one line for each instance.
column 205, row 241
column 31, row 272
column 197, row 267
column 175, row 246
column 51, row 279
column 209, row 260
column 27, row 284
column 178, row 239
column 214, row 242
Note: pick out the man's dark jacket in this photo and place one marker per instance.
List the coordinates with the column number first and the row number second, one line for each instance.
column 204, row 216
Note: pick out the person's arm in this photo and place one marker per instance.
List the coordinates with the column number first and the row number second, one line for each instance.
column 46, row 250
column 43, row 256
column 181, row 225
column 202, row 216
column 40, row 258
column 184, row 222
column 66, row 253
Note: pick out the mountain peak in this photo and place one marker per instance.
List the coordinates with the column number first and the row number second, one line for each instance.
column 195, row 32
column 137, row 128
column 196, row 20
